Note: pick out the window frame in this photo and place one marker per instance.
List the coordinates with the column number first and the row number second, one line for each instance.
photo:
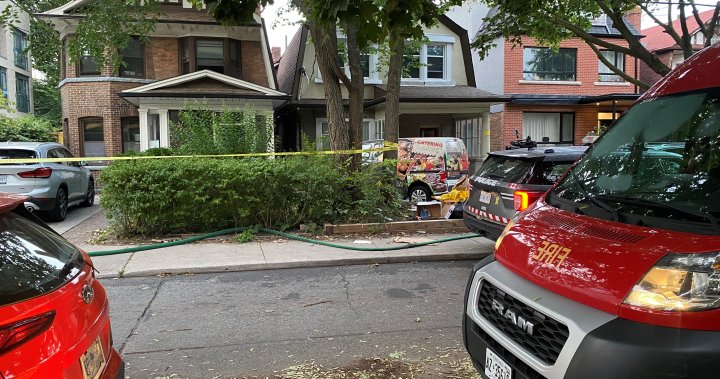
column 83, row 122
column 189, row 45
column 319, row 135
column 81, row 71
column 123, row 54
column 446, row 45
column 20, row 53
column 22, row 106
column 603, row 77
column 125, row 122
column 562, row 128
column 550, row 72
column 4, row 82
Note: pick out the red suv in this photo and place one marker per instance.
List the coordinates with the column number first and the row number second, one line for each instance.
column 615, row 272
column 54, row 320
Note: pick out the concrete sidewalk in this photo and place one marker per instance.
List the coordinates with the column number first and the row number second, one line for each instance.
column 227, row 257
column 276, row 253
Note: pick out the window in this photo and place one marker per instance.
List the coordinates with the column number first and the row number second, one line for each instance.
column 322, row 135
column 371, row 131
column 549, row 128
column 545, row 64
column 380, row 129
column 604, row 72
column 88, row 65
column 3, row 81
column 427, row 62
column 131, row 134
column 3, row 42
column 22, row 93
column 412, row 63
column 93, row 137
column 219, row 55
column 20, row 49
column 469, row 132
column 599, row 20
column 154, row 130
column 133, row 60
column 365, row 59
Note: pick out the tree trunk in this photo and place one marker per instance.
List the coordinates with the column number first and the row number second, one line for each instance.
column 356, row 93
column 392, row 97
column 325, row 41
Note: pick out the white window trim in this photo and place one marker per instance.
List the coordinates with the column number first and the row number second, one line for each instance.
column 374, row 77
column 447, row 43
column 318, row 129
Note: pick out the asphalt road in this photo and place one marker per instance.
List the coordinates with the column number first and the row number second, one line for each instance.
column 254, row 323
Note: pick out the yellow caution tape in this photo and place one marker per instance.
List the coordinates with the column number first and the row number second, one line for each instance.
column 388, row 146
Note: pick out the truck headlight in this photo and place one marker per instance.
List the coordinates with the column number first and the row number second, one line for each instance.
column 680, row 282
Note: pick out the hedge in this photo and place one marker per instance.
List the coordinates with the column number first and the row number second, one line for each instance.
column 173, row 195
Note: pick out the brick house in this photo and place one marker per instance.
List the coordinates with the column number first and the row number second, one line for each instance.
column 667, row 50
column 557, row 98
column 189, row 58
column 438, row 96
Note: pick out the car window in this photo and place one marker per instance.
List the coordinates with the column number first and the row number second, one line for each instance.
column 64, row 153
column 33, row 260
column 506, row 169
column 17, row 154
column 548, row 173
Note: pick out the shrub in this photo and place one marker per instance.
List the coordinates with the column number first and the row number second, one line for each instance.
column 27, row 129
column 155, row 197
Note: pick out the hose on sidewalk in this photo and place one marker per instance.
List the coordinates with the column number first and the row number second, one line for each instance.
column 135, row 249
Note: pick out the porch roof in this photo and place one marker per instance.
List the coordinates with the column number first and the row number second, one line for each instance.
column 534, row 99
column 439, row 94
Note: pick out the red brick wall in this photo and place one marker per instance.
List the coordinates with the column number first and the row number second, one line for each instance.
column 651, row 77
column 587, row 71
column 497, row 131
column 162, row 58
column 253, row 66
column 98, row 99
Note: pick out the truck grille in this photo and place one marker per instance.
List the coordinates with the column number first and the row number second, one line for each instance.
column 548, row 336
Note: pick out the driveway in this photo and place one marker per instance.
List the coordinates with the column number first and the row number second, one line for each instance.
column 75, row 216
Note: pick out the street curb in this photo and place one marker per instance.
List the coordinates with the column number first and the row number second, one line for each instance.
column 432, row 257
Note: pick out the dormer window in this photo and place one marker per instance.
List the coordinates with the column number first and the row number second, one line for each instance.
column 429, row 62
column 214, row 54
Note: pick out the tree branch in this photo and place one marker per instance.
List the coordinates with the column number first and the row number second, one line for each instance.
column 713, row 25
column 699, row 21
column 667, row 27
column 587, row 37
column 616, row 70
column 686, row 42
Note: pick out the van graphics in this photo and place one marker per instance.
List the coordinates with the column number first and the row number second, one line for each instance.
column 551, row 253
column 511, row 315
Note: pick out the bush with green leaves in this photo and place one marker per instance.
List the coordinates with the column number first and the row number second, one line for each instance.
column 201, row 130
column 27, row 129
column 179, row 195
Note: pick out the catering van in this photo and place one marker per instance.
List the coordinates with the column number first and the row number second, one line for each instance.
column 615, row 272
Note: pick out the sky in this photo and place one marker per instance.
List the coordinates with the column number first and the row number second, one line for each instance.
column 281, row 23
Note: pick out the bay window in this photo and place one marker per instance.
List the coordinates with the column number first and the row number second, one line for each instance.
column 133, row 57
column 93, row 137
column 544, row 64
column 88, row 65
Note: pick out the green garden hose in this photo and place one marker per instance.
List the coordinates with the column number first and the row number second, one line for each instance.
column 135, row 249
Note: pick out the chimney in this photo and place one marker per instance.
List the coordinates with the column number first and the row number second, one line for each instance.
column 276, row 54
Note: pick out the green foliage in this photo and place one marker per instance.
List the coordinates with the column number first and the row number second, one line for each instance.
column 46, row 99
column 27, row 129
column 230, row 131
column 155, row 197
column 247, row 235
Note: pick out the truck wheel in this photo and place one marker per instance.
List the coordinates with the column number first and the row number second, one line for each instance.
column 418, row 194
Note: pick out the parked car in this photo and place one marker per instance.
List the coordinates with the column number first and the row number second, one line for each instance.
column 52, row 187
column 615, row 272
column 54, row 313
column 431, row 166
column 509, row 181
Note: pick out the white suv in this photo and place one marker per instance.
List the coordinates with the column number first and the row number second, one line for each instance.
column 51, row 187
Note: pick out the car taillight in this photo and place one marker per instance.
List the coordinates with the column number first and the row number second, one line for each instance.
column 16, row 334
column 42, row 172
column 523, row 199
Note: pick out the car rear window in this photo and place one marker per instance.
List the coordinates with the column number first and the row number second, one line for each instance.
column 505, row 169
column 17, row 154
column 33, row 260
column 548, row 173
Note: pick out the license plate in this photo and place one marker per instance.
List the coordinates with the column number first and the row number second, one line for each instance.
column 496, row 368
column 3, row 179
column 485, row 197
column 93, row 360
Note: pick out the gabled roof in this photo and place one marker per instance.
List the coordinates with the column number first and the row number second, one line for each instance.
column 657, row 39
column 291, row 63
column 203, row 83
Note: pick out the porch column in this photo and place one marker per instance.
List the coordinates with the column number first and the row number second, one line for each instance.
column 144, row 137
column 485, row 140
column 164, row 128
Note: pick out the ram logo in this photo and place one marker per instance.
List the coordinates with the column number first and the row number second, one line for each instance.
column 507, row 313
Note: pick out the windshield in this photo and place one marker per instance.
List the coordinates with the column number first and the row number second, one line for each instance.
column 658, row 166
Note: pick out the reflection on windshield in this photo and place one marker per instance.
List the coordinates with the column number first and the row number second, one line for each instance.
column 664, row 152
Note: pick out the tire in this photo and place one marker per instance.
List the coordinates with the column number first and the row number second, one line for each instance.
column 419, row 193
column 61, row 206
column 89, row 195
